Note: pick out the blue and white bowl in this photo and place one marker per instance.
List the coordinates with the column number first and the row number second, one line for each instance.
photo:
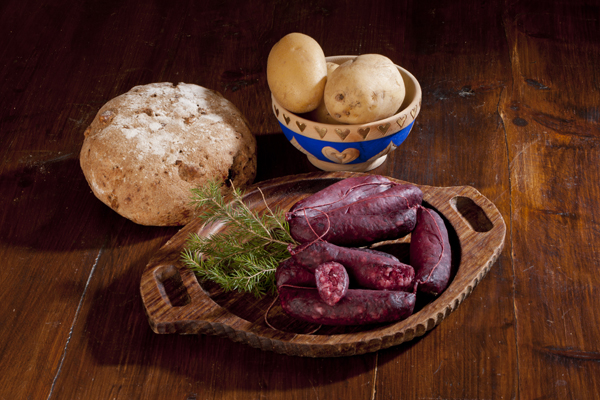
column 345, row 147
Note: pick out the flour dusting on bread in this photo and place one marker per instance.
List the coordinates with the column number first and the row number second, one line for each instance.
column 147, row 148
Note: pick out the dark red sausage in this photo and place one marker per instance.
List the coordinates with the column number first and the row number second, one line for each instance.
column 368, row 269
column 289, row 272
column 332, row 282
column 354, row 230
column 331, row 279
column 356, row 212
column 381, row 253
column 430, row 252
column 399, row 196
column 357, row 307
column 345, row 191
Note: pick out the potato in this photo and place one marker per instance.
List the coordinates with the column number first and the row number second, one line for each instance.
column 331, row 66
column 320, row 114
column 366, row 89
column 297, row 72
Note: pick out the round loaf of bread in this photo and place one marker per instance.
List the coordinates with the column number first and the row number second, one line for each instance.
column 146, row 149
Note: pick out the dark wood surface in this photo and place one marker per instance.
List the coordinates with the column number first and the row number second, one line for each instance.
column 511, row 94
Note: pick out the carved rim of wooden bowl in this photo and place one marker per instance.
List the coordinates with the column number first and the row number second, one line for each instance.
column 176, row 302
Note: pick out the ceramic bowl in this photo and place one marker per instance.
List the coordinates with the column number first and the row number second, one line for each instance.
column 347, row 147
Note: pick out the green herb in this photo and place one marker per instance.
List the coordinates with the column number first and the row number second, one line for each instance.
column 244, row 255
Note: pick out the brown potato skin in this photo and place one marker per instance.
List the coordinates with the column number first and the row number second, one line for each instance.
column 297, row 72
column 366, row 89
column 320, row 114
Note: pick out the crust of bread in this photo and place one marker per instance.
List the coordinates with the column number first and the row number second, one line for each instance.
column 146, row 149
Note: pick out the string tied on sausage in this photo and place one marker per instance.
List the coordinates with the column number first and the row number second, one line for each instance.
column 347, row 193
column 266, row 316
column 303, row 212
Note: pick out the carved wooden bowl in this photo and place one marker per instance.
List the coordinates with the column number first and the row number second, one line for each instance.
column 176, row 302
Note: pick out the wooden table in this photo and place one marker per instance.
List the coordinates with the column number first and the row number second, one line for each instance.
column 511, row 94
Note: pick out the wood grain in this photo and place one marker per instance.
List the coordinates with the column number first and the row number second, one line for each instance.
column 552, row 132
column 177, row 303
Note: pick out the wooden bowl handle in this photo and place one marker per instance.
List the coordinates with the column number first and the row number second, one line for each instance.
column 467, row 210
column 171, row 293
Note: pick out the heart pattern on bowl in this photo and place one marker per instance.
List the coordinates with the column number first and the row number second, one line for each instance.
column 301, row 126
column 413, row 112
column 342, row 133
column 321, row 131
column 384, row 128
column 344, row 157
column 402, row 120
column 363, row 132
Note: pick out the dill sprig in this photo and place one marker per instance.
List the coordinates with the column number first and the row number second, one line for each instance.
column 243, row 256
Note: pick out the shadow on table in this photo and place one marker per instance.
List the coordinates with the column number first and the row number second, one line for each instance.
column 277, row 157
column 49, row 206
column 119, row 335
